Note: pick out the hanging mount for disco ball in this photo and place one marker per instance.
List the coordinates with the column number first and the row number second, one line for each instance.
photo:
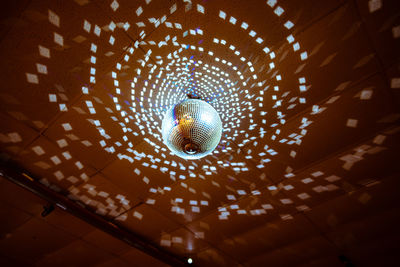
column 192, row 128
column 192, row 96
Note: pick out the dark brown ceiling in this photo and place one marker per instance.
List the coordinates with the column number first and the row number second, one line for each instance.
column 306, row 172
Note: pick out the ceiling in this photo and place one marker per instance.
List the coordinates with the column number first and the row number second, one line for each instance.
column 306, row 172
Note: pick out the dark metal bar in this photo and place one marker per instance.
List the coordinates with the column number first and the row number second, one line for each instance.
column 25, row 180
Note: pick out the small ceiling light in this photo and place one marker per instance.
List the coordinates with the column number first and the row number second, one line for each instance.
column 191, row 129
column 190, row 261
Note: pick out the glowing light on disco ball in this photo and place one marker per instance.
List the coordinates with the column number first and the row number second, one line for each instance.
column 191, row 129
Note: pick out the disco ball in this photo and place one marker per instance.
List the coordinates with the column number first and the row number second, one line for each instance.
column 191, row 129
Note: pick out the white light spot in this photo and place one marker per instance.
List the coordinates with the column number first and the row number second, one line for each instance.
column 58, row 39
column 38, row 150
column 44, row 52
column 396, row 32
column 289, row 24
column 279, row 11
column 41, row 68
column 352, row 123
column 222, row 14
column 200, row 8
column 97, row 30
column 114, row 5
column 86, row 26
column 374, row 5
column 67, row 126
column 395, row 82
column 366, row 94
column 112, row 26
column 271, row 3
column 290, row 39
column 139, row 11
column 303, row 55
column 54, row 18
column 32, row 78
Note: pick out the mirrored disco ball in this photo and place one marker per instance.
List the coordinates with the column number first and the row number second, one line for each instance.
column 191, row 129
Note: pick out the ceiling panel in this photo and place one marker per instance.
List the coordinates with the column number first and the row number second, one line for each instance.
column 382, row 251
column 297, row 253
column 268, row 237
column 48, row 33
column 15, row 218
column 183, row 242
column 30, row 241
column 393, row 79
column 381, row 20
column 54, row 166
column 103, row 197
column 355, row 206
column 213, row 257
column 147, row 222
column 15, row 135
column 113, row 262
column 70, row 224
column 357, row 233
column 327, row 127
column 83, row 134
column 20, row 198
column 140, row 15
column 76, row 253
column 104, row 241
column 246, row 213
column 194, row 198
column 138, row 258
column 138, row 182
